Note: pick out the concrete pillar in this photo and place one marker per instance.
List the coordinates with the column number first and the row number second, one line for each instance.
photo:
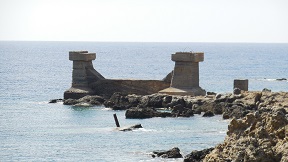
column 82, row 75
column 81, row 61
column 242, row 84
column 185, row 78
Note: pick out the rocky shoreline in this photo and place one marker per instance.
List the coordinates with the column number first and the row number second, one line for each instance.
column 257, row 132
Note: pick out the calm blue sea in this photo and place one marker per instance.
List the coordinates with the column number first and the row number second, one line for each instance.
column 32, row 73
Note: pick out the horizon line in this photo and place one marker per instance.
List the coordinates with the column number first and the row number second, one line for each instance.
column 140, row 41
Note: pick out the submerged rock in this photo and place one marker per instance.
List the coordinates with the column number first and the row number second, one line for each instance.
column 130, row 128
column 55, row 100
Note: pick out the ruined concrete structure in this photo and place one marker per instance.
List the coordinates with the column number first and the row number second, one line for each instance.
column 241, row 84
column 87, row 81
column 185, row 79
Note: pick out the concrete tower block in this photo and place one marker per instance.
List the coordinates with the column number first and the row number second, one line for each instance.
column 185, row 79
column 82, row 75
column 242, row 84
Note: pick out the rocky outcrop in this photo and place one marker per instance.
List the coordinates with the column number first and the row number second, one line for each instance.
column 87, row 100
column 197, row 156
column 173, row 153
column 260, row 137
column 142, row 113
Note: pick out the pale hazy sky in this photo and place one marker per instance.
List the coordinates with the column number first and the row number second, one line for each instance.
column 145, row 20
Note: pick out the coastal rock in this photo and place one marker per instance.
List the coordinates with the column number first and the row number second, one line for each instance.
column 173, row 153
column 89, row 100
column 119, row 101
column 55, row 100
column 236, row 91
column 211, row 93
column 154, row 100
column 208, row 114
column 142, row 113
column 197, row 156
column 281, row 79
column 260, row 136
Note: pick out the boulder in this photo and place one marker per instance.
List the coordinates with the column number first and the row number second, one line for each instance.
column 236, row 91
column 140, row 113
column 197, row 156
column 208, row 114
column 86, row 100
column 120, row 101
column 154, row 100
column 173, row 153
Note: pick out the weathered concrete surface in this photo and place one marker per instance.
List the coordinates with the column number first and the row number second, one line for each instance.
column 185, row 78
column 140, row 87
column 242, row 84
column 82, row 75
column 87, row 81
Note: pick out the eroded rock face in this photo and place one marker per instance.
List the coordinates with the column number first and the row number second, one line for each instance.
column 260, row 137
column 197, row 156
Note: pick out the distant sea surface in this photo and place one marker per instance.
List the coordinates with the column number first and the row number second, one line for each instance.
column 32, row 73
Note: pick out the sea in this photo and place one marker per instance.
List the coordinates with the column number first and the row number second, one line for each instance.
column 32, row 73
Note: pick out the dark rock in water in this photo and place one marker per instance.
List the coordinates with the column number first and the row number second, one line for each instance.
column 281, row 79
column 211, row 93
column 197, row 109
column 197, row 156
column 93, row 100
column 55, row 100
column 266, row 90
column 166, row 100
column 178, row 108
column 218, row 96
column 218, row 108
column 89, row 100
column 154, row 100
column 208, row 114
column 130, row 128
column 120, row 101
column 177, row 101
column 188, row 113
column 225, row 116
column 173, row 153
column 237, row 91
column 70, row 101
column 142, row 113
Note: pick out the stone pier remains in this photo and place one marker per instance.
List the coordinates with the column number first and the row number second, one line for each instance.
column 184, row 80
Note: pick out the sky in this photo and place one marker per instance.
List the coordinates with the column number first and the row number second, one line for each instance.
column 261, row 21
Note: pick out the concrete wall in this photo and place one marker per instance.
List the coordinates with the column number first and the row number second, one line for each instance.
column 107, row 87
